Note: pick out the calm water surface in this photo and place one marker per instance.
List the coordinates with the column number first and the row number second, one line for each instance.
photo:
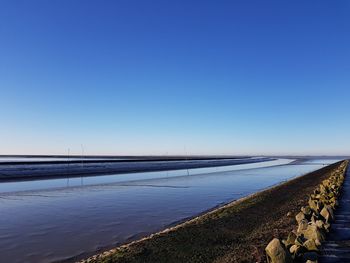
column 52, row 220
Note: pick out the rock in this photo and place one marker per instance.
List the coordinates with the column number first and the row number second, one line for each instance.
column 290, row 240
column 333, row 202
column 323, row 189
column 277, row 253
column 289, row 214
column 300, row 240
column 318, row 243
column 314, row 205
column 300, row 216
column 320, row 224
column 303, row 224
column 327, row 213
column 293, row 249
column 325, row 183
column 314, row 218
column 313, row 232
column 330, row 195
column 297, row 251
column 326, row 226
column 310, row 245
column 307, row 211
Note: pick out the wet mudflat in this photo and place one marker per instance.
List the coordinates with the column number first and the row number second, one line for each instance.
column 64, row 219
column 16, row 169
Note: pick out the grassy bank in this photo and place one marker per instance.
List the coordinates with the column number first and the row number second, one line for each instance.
column 237, row 232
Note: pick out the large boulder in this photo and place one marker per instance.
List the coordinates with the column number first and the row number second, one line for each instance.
column 315, row 205
column 333, row 202
column 300, row 216
column 320, row 224
column 323, row 189
column 310, row 245
column 313, row 232
column 290, row 240
column 303, row 224
column 307, row 211
column 297, row 251
column 277, row 253
column 300, row 240
column 327, row 213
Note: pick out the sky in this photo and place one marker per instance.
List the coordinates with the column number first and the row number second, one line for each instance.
column 175, row 77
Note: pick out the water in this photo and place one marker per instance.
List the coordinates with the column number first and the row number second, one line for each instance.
column 319, row 161
column 119, row 178
column 51, row 220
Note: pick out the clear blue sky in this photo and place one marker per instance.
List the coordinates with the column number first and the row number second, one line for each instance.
column 150, row 77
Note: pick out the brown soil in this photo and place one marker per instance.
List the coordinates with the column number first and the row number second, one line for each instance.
column 237, row 232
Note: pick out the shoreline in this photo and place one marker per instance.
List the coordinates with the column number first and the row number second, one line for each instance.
column 241, row 241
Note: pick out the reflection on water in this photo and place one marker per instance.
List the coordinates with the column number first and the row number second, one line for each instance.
column 94, row 180
column 319, row 161
column 65, row 219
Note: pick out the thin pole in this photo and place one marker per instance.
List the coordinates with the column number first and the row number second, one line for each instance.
column 68, row 158
column 188, row 173
column 82, row 155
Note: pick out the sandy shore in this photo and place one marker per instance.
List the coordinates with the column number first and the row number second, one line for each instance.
column 237, row 232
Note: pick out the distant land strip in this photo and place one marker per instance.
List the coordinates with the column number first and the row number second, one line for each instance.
column 47, row 170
